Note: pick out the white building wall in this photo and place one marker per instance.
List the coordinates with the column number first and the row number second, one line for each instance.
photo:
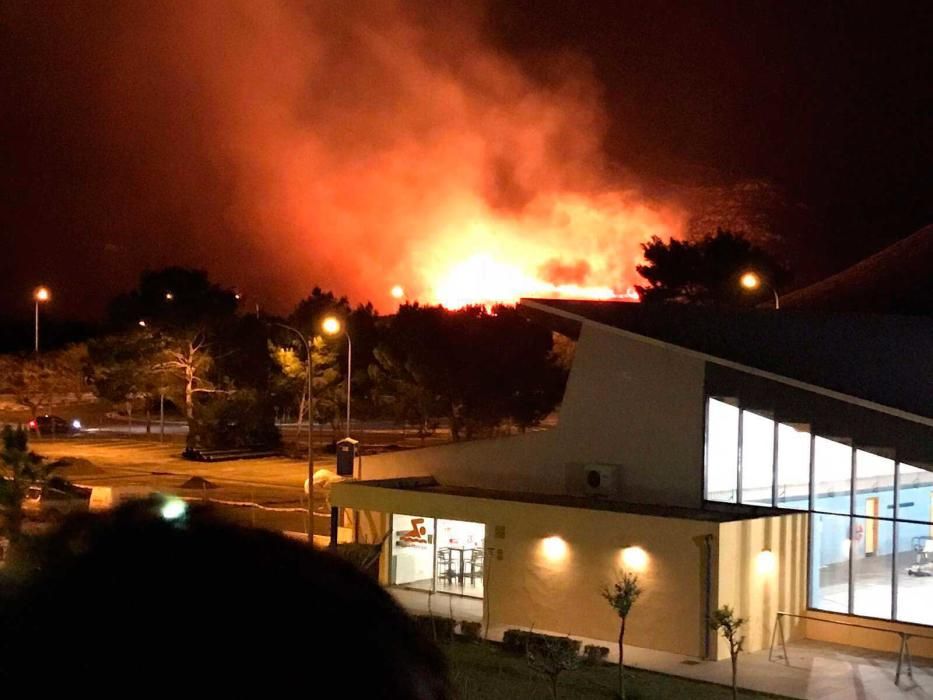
column 629, row 403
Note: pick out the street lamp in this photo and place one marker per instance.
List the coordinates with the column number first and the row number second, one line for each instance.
column 752, row 280
column 310, row 371
column 40, row 296
column 332, row 327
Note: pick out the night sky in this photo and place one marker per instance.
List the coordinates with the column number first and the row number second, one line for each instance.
column 124, row 144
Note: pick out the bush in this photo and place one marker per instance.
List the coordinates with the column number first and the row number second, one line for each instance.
column 471, row 630
column 517, row 641
column 240, row 420
column 435, row 628
column 594, row 655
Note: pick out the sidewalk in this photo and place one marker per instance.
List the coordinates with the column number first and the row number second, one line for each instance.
column 818, row 671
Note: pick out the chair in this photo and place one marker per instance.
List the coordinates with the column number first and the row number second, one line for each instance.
column 445, row 565
column 477, row 557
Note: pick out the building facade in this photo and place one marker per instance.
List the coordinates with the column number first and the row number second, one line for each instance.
column 754, row 473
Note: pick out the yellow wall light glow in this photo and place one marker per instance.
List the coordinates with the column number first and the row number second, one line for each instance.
column 634, row 559
column 766, row 562
column 554, row 548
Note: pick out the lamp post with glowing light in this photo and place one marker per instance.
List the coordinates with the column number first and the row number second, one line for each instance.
column 752, row 280
column 40, row 296
column 332, row 327
column 310, row 370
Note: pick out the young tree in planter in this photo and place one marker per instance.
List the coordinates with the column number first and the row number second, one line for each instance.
column 725, row 621
column 552, row 656
column 622, row 596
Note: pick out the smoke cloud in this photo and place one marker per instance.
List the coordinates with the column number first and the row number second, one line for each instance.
column 353, row 145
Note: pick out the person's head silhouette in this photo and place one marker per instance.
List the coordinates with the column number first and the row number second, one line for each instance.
column 156, row 596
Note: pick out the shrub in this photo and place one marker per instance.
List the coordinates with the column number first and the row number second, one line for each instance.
column 594, row 655
column 471, row 630
column 435, row 628
column 240, row 420
column 518, row 641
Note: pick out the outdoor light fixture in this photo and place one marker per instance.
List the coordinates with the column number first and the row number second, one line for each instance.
column 766, row 562
column 554, row 548
column 43, row 294
column 634, row 559
column 750, row 280
column 173, row 509
column 142, row 323
column 331, row 325
column 169, row 296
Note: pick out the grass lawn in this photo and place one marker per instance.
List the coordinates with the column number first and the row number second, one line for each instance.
column 486, row 672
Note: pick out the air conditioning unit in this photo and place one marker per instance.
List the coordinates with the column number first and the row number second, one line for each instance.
column 601, row 480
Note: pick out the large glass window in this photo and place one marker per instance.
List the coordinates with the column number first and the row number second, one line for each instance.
column 722, row 451
column 413, row 551
column 874, row 485
column 832, row 476
column 446, row 556
column 914, row 489
column 914, row 562
column 829, row 561
column 793, row 467
column 871, row 554
column 757, row 458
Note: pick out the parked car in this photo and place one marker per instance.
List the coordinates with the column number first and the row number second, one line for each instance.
column 55, row 499
column 54, row 425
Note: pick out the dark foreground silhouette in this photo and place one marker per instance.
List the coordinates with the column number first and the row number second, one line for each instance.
column 133, row 603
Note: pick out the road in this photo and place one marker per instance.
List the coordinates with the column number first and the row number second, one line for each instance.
column 275, row 485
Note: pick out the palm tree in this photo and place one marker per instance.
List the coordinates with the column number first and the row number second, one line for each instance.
column 21, row 468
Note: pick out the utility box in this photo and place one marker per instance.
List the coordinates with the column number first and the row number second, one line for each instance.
column 346, row 456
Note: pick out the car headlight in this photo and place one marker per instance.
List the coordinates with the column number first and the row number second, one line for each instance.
column 76, row 424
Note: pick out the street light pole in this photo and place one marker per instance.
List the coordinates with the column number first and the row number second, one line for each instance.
column 349, row 376
column 40, row 296
column 310, row 372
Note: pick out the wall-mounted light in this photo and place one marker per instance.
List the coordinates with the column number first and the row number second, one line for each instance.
column 634, row 559
column 554, row 548
column 766, row 562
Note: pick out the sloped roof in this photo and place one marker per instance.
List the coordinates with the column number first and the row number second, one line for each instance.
column 885, row 360
column 898, row 279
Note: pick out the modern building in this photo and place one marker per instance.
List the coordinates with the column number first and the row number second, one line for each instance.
column 769, row 461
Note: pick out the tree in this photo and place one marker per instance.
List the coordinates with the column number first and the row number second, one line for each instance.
column 476, row 367
column 125, row 368
column 188, row 360
column 21, row 469
column 172, row 298
column 290, row 384
column 38, row 381
column 621, row 597
column 706, row 271
column 728, row 624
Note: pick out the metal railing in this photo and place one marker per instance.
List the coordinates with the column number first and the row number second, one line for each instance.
column 903, row 653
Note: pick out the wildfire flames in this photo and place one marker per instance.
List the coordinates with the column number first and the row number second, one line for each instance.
column 387, row 150
column 577, row 248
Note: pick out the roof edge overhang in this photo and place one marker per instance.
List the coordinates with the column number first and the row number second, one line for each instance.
column 540, row 310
